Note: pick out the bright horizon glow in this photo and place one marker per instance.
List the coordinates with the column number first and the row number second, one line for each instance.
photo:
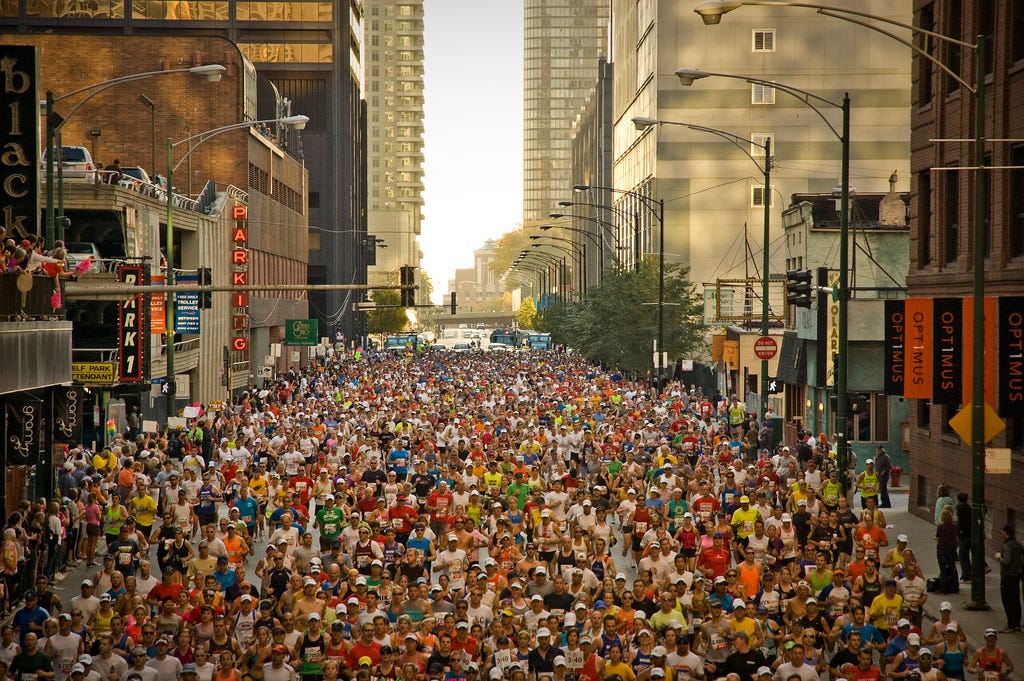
column 473, row 131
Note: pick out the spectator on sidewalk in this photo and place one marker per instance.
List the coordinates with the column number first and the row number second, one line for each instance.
column 945, row 554
column 1010, row 562
column 883, row 467
column 942, row 502
column 963, row 529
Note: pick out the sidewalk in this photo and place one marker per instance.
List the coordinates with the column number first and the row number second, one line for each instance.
column 921, row 534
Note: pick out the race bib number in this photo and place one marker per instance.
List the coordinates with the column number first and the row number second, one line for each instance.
column 503, row 658
column 573, row 659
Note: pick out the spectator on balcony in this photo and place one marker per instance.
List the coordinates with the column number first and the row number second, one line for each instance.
column 112, row 172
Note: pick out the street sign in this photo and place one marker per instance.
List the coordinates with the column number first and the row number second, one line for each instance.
column 93, row 372
column 766, row 348
column 997, row 461
column 303, row 332
column 961, row 423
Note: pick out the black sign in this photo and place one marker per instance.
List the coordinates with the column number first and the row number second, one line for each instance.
column 895, row 346
column 66, row 415
column 24, row 434
column 1011, row 356
column 132, row 328
column 19, row 140
column 948, row 357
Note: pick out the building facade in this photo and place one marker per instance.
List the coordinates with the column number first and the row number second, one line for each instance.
column 943, row 202
column 393, row 56
column 562, row 40
column 713, row 191
column 310, row 51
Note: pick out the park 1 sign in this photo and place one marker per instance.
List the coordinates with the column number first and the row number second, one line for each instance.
column 301, row 332
column 766, row 348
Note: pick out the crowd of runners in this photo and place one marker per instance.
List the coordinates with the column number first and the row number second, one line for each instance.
column 471, row 516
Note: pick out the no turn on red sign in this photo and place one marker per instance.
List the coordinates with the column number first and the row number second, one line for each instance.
column 766, row 348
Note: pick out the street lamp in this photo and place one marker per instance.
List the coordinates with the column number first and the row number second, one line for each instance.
column 54, row 123
column 643, row 123
column 550, row 261
column 296, row 122
column 607, row 227
column 688, row 77
column 657, row 209
column 580, row 253
column 711, row 12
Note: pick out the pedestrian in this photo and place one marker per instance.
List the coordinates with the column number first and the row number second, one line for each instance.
column 1010, row 561
column 883, row 467
column 945, row 553
column 963, row 531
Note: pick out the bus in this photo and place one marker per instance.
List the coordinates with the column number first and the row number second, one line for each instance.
column 511, row 337
column 401, row 341
column 539, row 341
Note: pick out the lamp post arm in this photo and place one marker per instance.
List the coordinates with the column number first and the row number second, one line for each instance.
column 740, row 142
column 209, row 134
column 910, row 43
column 648, row 202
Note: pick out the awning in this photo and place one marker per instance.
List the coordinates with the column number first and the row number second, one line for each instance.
column 793, row 360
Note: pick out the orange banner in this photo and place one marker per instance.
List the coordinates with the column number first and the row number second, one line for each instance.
column 990, row 350
column 917, row 378
column 157, row 308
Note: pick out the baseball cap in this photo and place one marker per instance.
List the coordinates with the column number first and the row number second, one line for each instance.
column 951, row 627
column 659, row 651
column 543, row 631
column 365, row 660
column 559, row 661
column 945, row 606
column 913, row 640
column 904, row 622
column 744, row 499
column 762, row 671
column 787, row 518
column 188, row 668
column 902, row 538
column 991, row 632
column 658, row 672
column 77, row 669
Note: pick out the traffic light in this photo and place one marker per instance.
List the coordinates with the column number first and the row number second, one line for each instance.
column 858, row 403
column 798, row 287
column 454, row 303
column 205, row 279
column 408, row 278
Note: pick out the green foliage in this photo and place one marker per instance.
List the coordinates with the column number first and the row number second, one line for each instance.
column 507, row 250
column 386, row 319
column 617, row 322
column 527, row 314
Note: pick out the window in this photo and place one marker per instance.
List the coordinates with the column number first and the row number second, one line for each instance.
column 1017, row 30
column 924, row 414
column 757, row 142
column 986, row 192
column 924, row 219
column 954, row 53
column 761, row 93
column 986, row 22
column 1015, row 194
column 764, row 40
column 950, row 214
column 927, row 23
column 757, row 195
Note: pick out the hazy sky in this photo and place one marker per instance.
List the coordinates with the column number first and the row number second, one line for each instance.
column 474, row 130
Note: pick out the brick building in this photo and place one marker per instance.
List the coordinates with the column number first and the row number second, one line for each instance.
column 256, row 166
column 942, row 208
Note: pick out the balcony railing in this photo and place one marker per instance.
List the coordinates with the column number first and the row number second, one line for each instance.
column 29, row 296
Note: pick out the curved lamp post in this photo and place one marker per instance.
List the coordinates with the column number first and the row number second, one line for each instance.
column 711, row 12
column 765, row 166
column 296, row 122
column 657, row 209
column 54, row 123
column 815, row 102
column 579, row 252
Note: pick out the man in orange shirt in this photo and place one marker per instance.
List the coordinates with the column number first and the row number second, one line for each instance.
column 870, row 536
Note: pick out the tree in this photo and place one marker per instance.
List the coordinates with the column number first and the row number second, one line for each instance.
column 507, row 249
column 386, row 319
column 617, row 322
column 526, row 314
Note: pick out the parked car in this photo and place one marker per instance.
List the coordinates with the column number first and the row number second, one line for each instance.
column 136, row 177
column 77, row 163
column 79, row 251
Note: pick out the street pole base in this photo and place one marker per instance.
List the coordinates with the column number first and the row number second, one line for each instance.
column 977, row 605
